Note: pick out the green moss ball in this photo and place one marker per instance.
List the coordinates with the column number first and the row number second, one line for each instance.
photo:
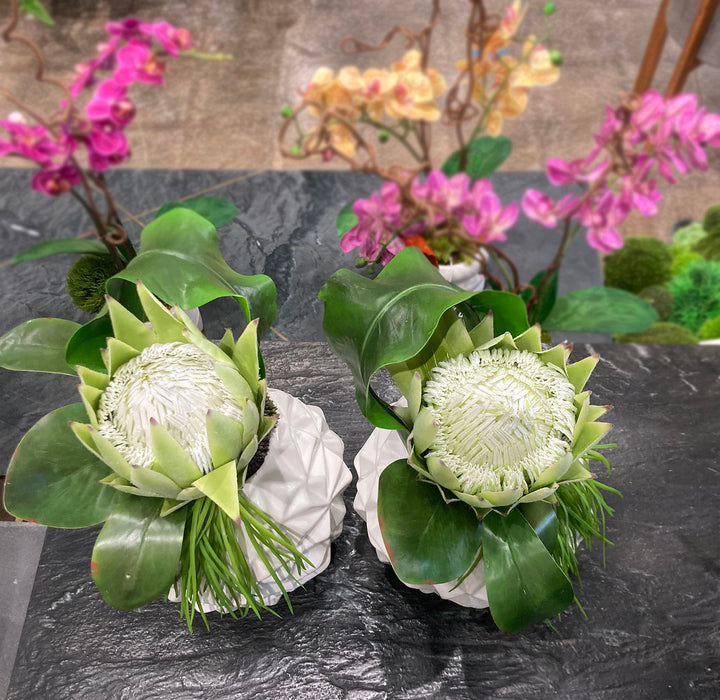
column 682, row 259
column 710, row 329
column 661, row 333
column 696, row 294
column 688, row 236
column 642, row 262
column 86, row 281
column 660, row 298
column 711, row 220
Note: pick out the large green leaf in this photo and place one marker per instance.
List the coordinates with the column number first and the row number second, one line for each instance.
column 508, row 310
column 53, row 478
column 84, row 346
column 62, row 245
column 136, row 554
column 346, row 219
column 524, row 583
column 600, row 310
column 374, row 323
column 428, row 540
column 546, row 297
column 180, row 262
column 484, row 156
column 38, row 345
column 216, row 210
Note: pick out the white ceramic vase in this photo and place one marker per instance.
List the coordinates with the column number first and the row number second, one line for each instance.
column 300, row 485
column 381, row 449
column 465, row 275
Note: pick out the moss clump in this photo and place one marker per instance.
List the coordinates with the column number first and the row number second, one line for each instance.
column 660, row 333
column 660, row 298
column 86, row 281
column 696, row 294
column 642, row 262
column 711, row 220
column 710, row 329
column 687, row 236
column 445, row 251
column 682, row 259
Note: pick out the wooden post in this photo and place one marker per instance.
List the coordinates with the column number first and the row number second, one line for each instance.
column 652, row 51
column 688, row 57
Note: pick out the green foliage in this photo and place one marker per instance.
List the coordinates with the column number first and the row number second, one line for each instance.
column 661, row 333
column 524, row 583
column 660, row 298
column 708, row 247
column 484, row 156
column 419, row 553
column 180, row 262
column 711, row 220
column 696, row 294
column 86, row 281
column 346, row 219
column 55, row 480
column 445, row 252
column 546, row 298
column 38, row 345
column 600, row 310
column 682, row 259
column 710, row 329
column 374, row 323
column 641, row 262
column 35, row 7
column 687, row 236
column 60, row 246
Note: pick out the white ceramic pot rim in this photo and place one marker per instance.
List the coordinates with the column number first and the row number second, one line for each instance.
column 300, row 485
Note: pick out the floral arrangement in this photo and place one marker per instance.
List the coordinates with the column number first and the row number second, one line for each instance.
column 450, row 211
column 86, row 136
column 169, row 428
column 479, row 485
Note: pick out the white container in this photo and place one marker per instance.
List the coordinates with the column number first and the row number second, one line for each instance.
column 300, row 485
column 465, row 275
column 381, row 449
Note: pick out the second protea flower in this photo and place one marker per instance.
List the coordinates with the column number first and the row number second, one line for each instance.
column 502, row 422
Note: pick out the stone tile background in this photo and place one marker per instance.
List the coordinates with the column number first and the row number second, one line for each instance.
column 225, row 115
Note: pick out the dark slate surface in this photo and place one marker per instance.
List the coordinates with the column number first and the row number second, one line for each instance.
column 286, row 229
column 653, row 611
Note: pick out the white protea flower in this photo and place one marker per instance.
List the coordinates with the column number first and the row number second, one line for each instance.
column 176, row 416
column 502, row 422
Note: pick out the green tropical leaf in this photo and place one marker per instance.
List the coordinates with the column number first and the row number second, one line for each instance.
column 546, row 298
column 180, row 262
column 484, row 156
column 136, row 554
column 508, row 310
column 216, row 210
column 428, row 540
column 600, row 310
column 63, row 245
column 35, row 7
column 84, row 346
column 524, row 583
column 346, row 219
column 38, row 345
column 374, row 323
column 53, row 479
